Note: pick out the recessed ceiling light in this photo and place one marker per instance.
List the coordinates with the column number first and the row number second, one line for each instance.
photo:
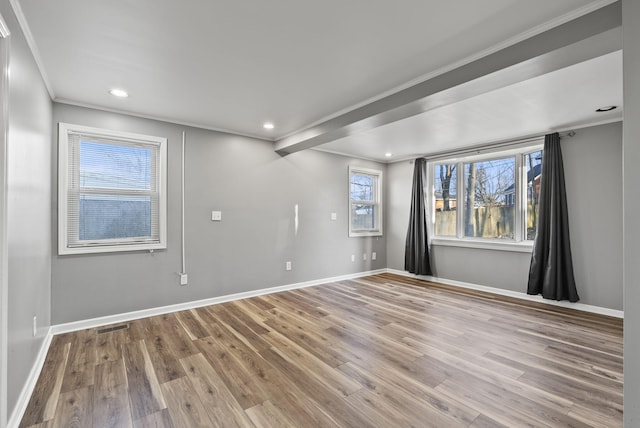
column 607, row 108
column 120, row 93
column 268, row 125
column 388, row 155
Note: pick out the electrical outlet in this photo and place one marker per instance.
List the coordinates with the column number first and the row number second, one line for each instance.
column 353, row 257
column 287, row 266
column 216, row 215
column 334, row 216
column 35, row 326
column 374, row 256
column 364, row 256
column 184, row 279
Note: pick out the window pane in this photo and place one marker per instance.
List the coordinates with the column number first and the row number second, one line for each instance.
column 112, row 217
column 445, row 199
column 489, row 199
column 112, row 166
column 362, row 187
column 363, row 217
column 533, row 163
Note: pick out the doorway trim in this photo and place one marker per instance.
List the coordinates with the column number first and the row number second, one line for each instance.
column 4, row 279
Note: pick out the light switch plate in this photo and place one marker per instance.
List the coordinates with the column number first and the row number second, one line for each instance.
column 216, row 215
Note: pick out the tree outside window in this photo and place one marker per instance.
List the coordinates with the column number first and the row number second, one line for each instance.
column 486, row 213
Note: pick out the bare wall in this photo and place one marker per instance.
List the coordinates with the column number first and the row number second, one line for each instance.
column 28, row 221
column 593, row 174
column 257, row 191
column 631, row 207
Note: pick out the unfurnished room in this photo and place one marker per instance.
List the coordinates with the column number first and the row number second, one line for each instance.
column 319, row 214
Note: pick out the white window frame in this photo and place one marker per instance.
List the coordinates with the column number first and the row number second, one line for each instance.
column 519, row 243
column 377, row 203
column 116, row 245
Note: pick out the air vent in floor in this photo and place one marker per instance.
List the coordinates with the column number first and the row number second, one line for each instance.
column 108, row 329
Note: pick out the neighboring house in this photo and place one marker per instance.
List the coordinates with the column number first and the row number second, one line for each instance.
column 533, row 182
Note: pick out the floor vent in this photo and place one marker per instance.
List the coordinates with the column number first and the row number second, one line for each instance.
column 108, row 329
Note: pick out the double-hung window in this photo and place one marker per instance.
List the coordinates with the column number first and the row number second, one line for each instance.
column 365, row 202
column 111, row 191
column 486, row 197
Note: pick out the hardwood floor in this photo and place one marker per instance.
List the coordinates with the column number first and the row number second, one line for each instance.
column 383, row 351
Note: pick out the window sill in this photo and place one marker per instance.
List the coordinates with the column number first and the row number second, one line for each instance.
column 357, row 234
column 519, row 247
column 64, row 251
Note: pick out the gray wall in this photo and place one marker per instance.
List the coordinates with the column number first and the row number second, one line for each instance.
column 593, row 174
column 28, row 219
column 631, row 225
column 255, row 189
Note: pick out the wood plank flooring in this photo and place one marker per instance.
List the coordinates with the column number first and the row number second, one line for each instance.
column 381, row 351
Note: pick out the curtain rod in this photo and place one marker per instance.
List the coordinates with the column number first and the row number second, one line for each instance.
column 493, row 146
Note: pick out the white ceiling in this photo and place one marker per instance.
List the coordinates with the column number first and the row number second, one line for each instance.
column 560, row 100
column 232, row 65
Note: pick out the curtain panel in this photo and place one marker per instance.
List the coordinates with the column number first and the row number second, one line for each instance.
column 551, row 270
column 416, row 254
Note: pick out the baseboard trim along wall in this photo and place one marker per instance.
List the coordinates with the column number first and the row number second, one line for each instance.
column 30, row 384
column 518, row 295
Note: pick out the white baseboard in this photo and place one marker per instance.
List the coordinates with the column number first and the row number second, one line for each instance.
column 144, row 313
column 30, row 384
column 518, row 295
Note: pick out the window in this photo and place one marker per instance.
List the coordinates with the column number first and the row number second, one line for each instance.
column 486, row 186
column 111, row 191
column 365, row 202
column 445, row 199
column 533, row 162
column 489, row 196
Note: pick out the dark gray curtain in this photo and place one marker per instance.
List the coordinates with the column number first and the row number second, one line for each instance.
column 551, row 270
column 416, row 252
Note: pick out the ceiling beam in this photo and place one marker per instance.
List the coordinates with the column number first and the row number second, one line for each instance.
column 581, row 39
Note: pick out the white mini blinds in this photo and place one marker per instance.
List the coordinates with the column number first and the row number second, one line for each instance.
column 112, row 191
